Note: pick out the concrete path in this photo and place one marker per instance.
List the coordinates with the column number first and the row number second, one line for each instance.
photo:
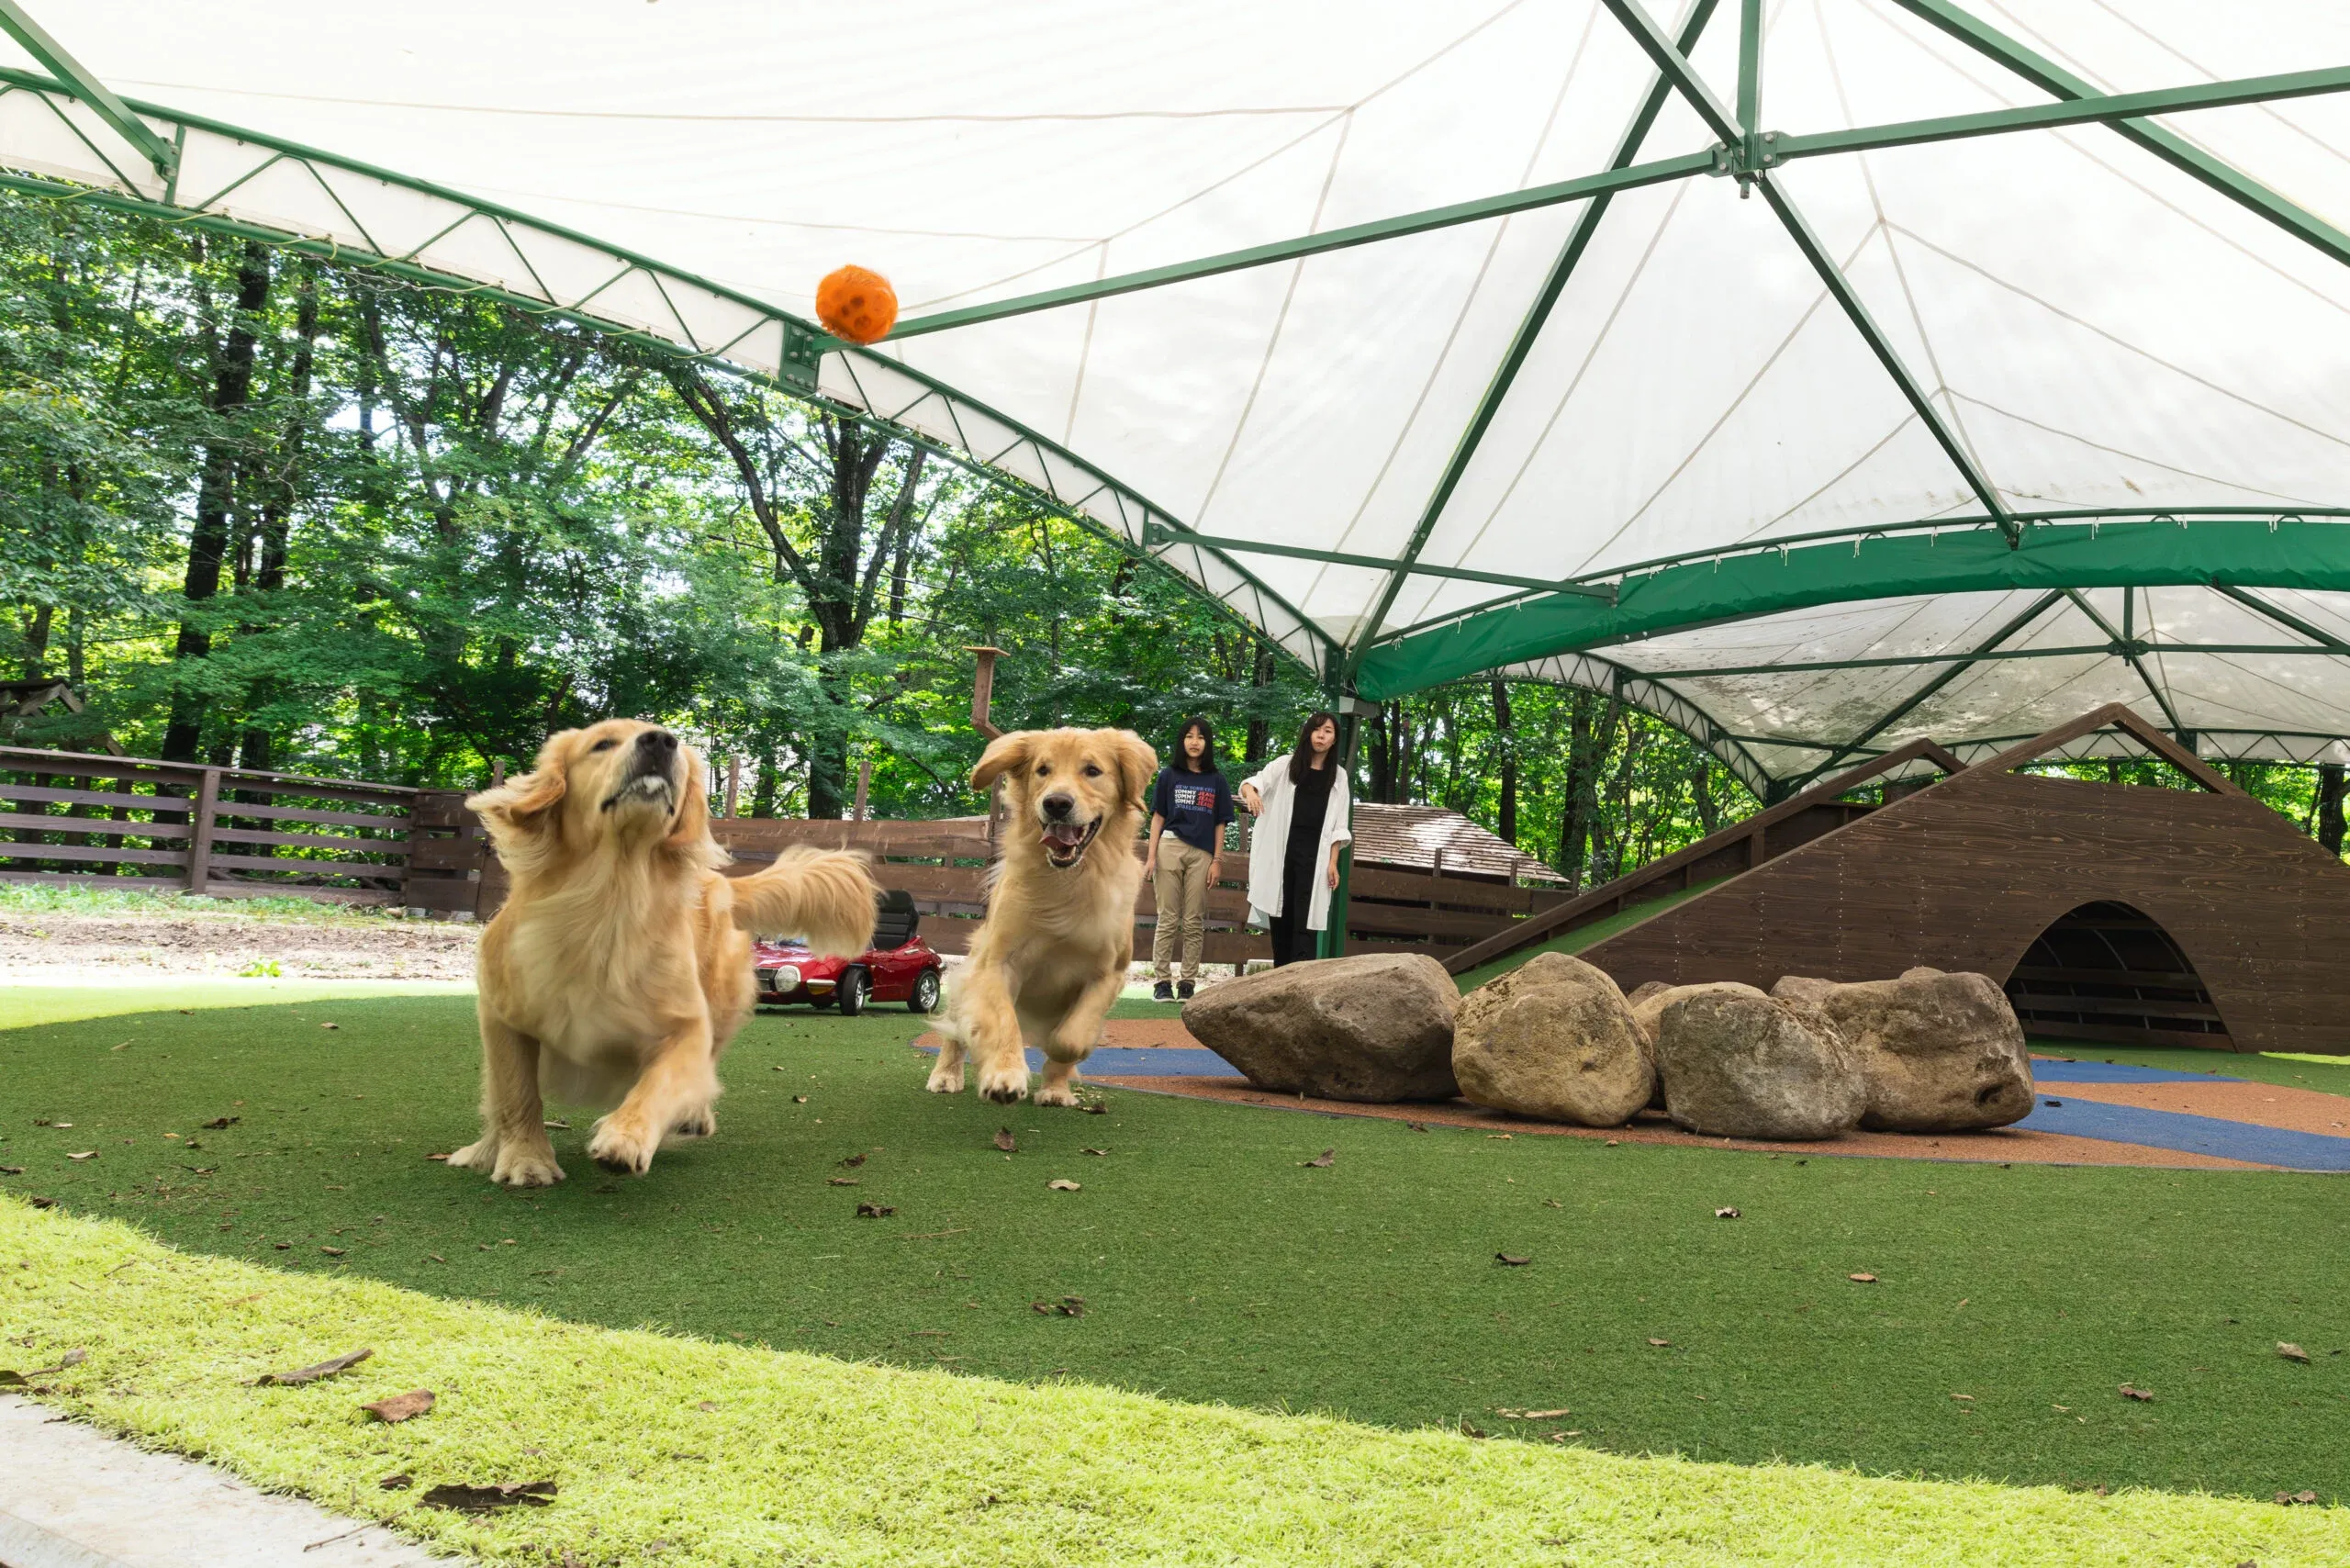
column 72, row 1497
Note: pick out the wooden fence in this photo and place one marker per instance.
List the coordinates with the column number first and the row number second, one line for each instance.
column 137, row 822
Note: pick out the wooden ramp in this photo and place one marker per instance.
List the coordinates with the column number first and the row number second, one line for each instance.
column 2149, row 915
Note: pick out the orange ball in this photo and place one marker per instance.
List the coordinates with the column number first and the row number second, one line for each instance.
column 857, row 305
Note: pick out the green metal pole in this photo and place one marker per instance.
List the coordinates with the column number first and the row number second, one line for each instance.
column 77, row 80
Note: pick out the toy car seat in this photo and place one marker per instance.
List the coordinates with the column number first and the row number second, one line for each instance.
column 894, row 920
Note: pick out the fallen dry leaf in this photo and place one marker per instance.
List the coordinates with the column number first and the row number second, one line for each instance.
column 852, row 1161
column 1095, row 1107
column 1861, row 1279
column 1323, row 1160
column 2139, row 1394
column 1469, row 1432
column 330, row 1026
column 312, row 1373
column 2292, row 1352
column 555, row 1126
column 1728, row 1214
column 400, row 1406
column 875, row 1210
column 797, row 1098
column 2289, row 1498
column 1532, row 1414
column 399, row 1482
column 442, row 1157
column 1662, row 1344
column 1511, row 1260
column 11, row 1171
column 490, row 1499
column 217, row 1122
column 840, row 1181
column 1063, row 1184
column 44, row 1202
column 85, row 1154
column 705, row 1405
column 1092, row 1151
column 332, row 1251
column 1966, row 1398
column 1562, row 1437
column 1067, row 1307
column 1005, row 1141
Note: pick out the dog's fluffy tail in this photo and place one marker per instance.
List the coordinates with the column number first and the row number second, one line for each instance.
column 825, row 896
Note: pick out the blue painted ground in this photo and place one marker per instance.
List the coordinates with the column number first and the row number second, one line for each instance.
column 2079, row 1118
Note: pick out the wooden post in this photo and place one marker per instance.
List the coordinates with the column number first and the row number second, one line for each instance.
column 983, row 691
column 496, row 771
column 199, row 832
column 864, row 783
column 733, row 784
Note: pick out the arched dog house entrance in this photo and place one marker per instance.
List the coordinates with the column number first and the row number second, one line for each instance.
column 2107, row 972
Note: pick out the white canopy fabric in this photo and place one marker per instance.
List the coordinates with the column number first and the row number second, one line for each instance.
column 2079, row 392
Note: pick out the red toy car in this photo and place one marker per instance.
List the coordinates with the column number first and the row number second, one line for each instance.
column 898, row 967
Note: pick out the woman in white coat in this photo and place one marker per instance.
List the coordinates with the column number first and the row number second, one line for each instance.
column 1301, row 803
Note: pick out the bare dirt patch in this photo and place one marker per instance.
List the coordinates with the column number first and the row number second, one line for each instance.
column 73, row 946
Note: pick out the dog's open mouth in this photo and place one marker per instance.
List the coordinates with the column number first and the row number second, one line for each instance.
column 650, row 786
column 1065, row 842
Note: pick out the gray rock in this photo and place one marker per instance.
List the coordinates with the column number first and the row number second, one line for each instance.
column 1649, row 1008
column 1374, row 1027
column 1736, row 1063
column 1552, row 1038
column 1803, row 989
column 1645, row 990
column 1937, row 1052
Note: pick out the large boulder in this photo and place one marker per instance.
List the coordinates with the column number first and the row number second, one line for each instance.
column 1645, row 990
column 1377, row 1026
column 1938, row 1052
column 1736, row 1063
column 1648, row 1006
column 1552, row 1038
column 1803, row 990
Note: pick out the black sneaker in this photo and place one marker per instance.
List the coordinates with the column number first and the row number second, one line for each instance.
column 1183, row 992
column 1162, row 991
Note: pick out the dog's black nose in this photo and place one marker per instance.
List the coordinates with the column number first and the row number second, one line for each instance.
column 1059, row 806
column 657, row 741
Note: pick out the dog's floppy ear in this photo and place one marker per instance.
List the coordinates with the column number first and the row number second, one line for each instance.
column 1137, row 766
column 690, row 827
column 523, row 806
column 1004, row 754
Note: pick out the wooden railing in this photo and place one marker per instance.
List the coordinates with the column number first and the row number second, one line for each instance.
column 138, row 822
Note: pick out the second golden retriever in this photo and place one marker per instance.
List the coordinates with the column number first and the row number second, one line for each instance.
column 1058, row 939
column 619, row 965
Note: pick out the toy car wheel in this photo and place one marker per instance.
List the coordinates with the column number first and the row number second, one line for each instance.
column 924, row 996
column 851, row 993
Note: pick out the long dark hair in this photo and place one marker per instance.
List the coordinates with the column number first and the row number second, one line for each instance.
column 1181, row 761
column 1301, row 756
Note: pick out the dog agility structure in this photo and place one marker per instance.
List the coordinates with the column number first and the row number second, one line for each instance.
column 2114, row 912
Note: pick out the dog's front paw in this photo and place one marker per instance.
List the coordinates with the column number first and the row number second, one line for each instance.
column 699, row 1123
column 1003, row 1084
column 477, row 1156
column 520, row 1166
column 621, row 1149
column 946, row 1079
column 1062, row 1093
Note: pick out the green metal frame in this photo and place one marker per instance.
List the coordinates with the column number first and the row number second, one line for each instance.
column 669, row 312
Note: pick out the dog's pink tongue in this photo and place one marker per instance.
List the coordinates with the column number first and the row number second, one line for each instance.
column 1064, row 833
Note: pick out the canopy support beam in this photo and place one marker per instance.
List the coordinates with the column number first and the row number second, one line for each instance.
column 2054, row 80
column 1529, row 328
column 1963, row 663
column 2285, row 618
column 77, row 80
column 2129, row 652
column 1675, row 66
column 1156, row 534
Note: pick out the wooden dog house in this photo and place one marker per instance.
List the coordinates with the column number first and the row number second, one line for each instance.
column 2111, row 912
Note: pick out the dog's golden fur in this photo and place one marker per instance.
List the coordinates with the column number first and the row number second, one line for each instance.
column 620, row 965
column 1053, row 953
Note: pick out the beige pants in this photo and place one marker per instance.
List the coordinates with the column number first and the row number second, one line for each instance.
column 1181, row 891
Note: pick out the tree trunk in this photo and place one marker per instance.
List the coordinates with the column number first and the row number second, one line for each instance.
column 215, row 498
column 1260, row 675
column 2331, row 785
column 1505, row 744
column 277, row 505
column 1591, row 735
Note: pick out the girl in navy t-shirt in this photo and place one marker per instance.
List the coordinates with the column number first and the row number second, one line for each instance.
column 1189, row 806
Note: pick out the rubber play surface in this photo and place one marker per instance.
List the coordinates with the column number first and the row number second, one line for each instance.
column 2091, row 1111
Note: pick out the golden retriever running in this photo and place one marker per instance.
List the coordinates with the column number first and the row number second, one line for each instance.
column 1054, row 951
column 621, row 964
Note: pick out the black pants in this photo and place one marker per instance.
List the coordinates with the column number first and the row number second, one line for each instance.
column 1293, row 940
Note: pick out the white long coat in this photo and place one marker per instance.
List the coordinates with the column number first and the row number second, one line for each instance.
column 1270, row 843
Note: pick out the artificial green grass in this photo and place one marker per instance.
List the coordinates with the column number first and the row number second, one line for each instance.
column 1583, row 936
column 1215, row 1267
column 702, row 1454
column 166, row 994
